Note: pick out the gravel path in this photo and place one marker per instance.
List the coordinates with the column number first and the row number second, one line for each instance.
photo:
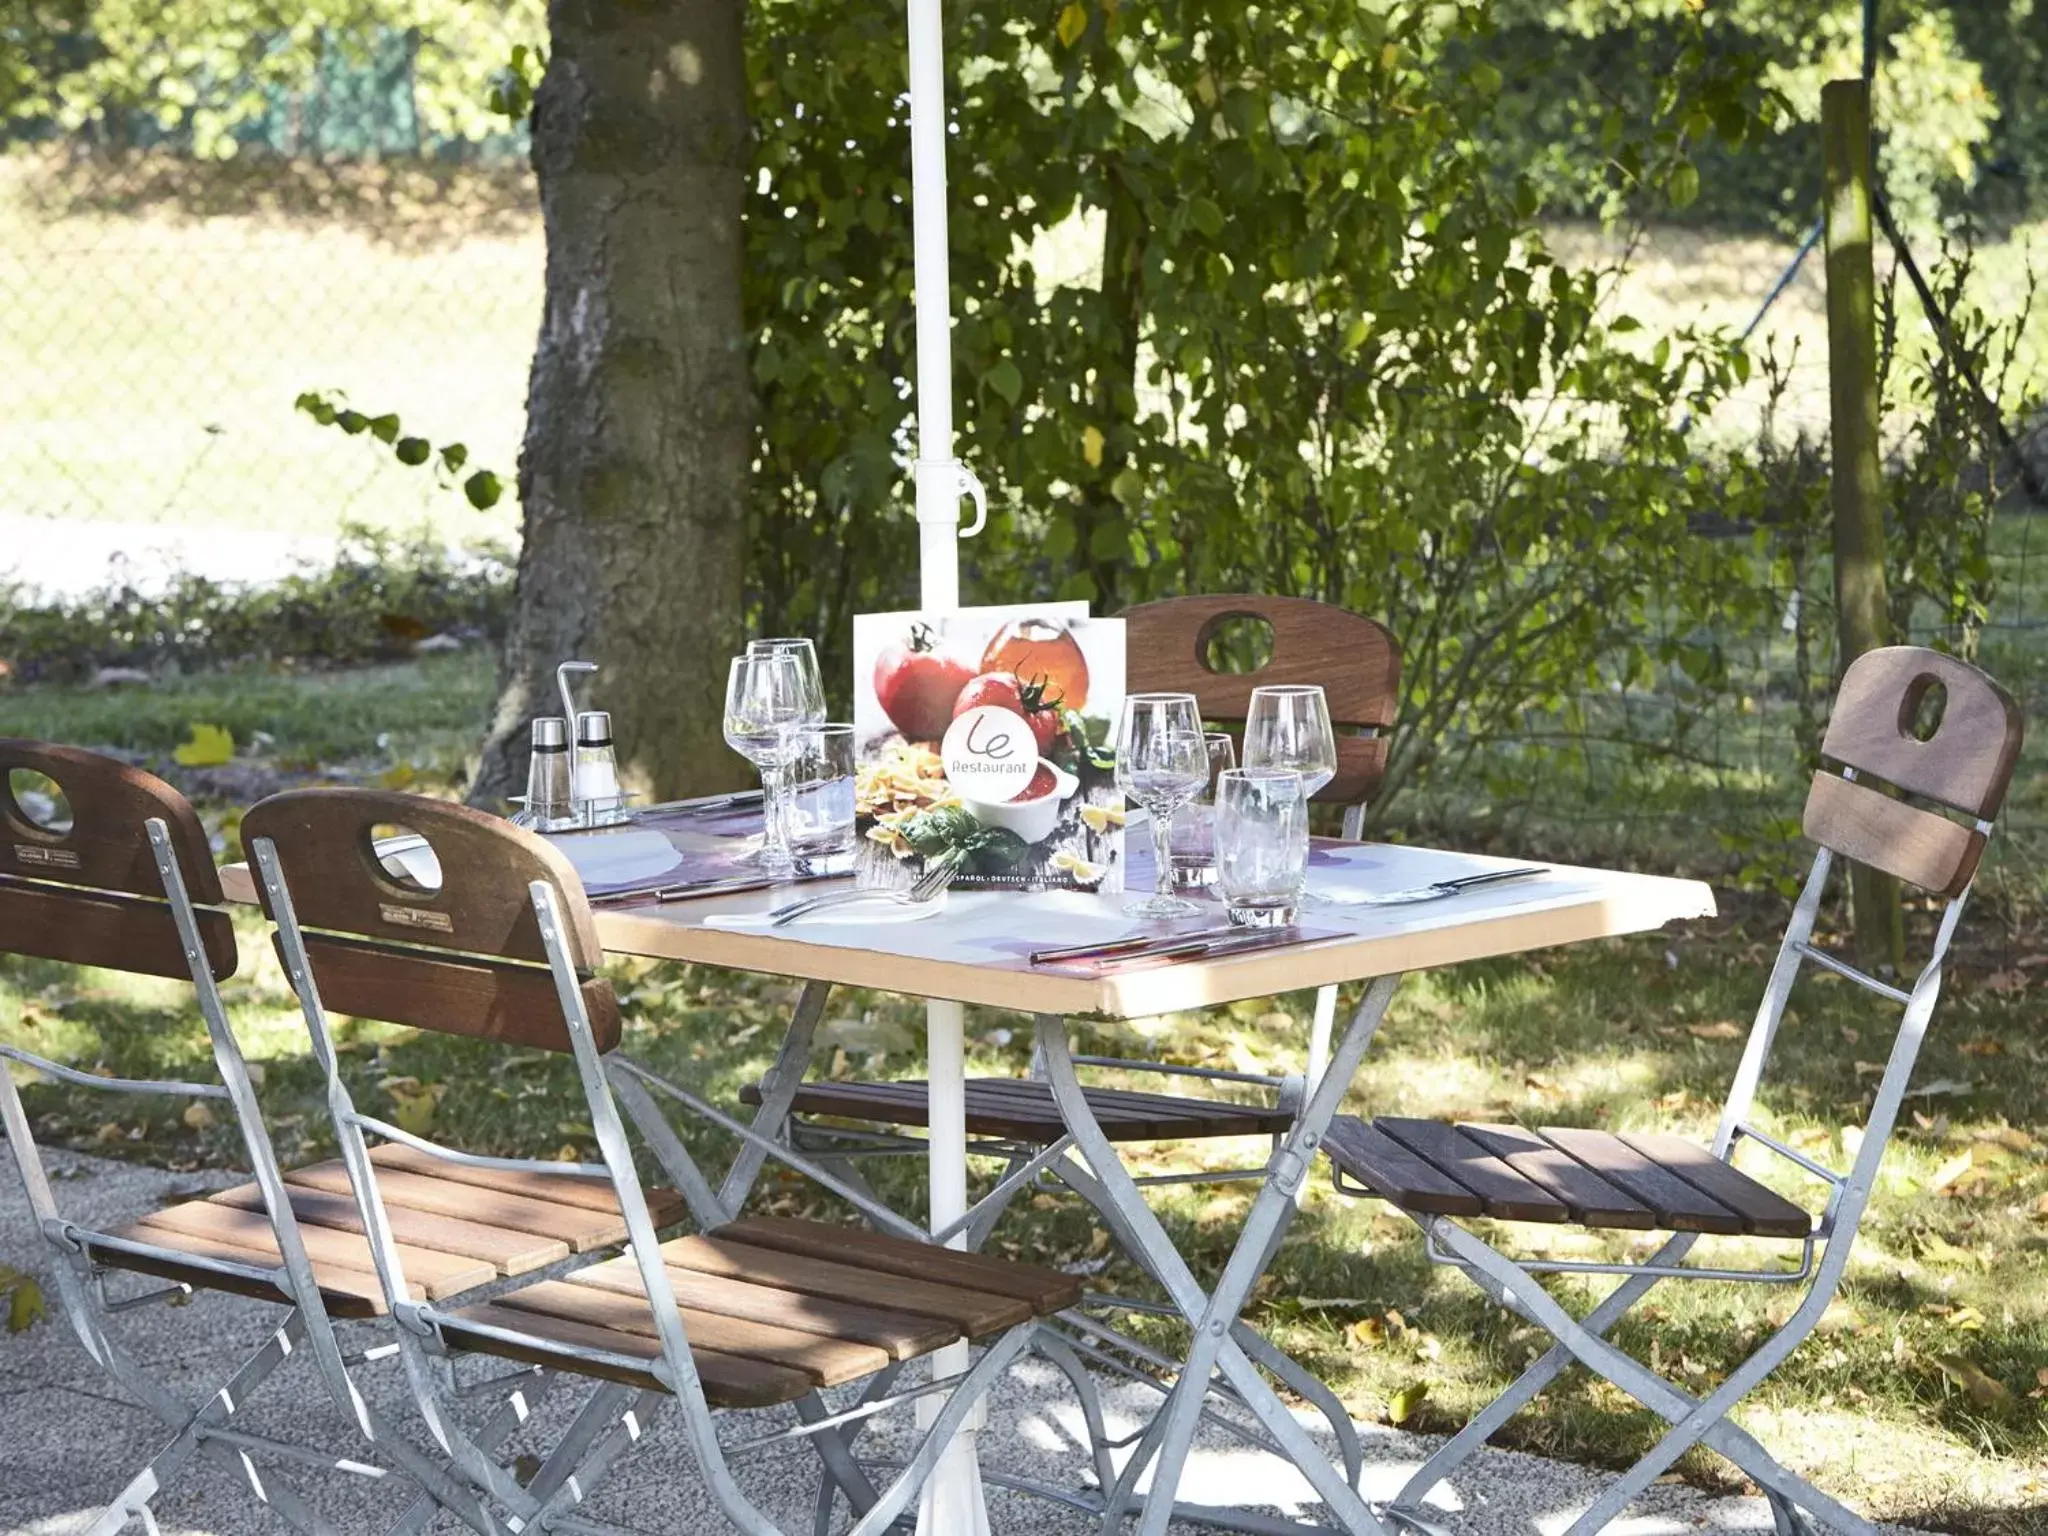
column 69, row 1439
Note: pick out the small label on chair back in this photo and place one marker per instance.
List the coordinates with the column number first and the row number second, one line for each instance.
column 50, row 858
column 415, row 917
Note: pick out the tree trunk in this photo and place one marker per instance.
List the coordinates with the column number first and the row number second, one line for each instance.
column 1861, row 610
column 633, row 475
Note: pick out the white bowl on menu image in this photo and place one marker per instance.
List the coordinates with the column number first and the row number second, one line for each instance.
column 1033, row 814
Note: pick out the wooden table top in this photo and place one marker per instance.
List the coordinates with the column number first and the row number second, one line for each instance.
column 973, row 947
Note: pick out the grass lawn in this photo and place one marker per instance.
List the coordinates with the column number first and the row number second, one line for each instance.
column 1923, row 1398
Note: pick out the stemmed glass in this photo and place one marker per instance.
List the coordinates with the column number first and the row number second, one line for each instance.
column 1289, row 727
column 811, row 684
column 765, row 707
column 1162, row 763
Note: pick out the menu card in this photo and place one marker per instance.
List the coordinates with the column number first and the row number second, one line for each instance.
column 985, row 735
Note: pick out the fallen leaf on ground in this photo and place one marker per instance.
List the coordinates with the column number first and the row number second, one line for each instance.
column 1722, row 1030
column 1983, row 1390
column 1402, row 1405
column 208, row 746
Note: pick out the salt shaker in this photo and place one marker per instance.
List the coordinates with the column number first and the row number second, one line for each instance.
column 597, row 769
column 550, row 798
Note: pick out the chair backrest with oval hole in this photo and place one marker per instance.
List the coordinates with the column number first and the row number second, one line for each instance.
column 419, row 912
column 1930, row 727
column 1168, row 646
column 89, row 892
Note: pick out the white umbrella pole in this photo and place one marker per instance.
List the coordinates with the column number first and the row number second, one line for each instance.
column 951, row 1503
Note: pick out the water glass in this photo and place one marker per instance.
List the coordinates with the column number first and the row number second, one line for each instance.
column 1162, row 762
column 811, row 684
column 1194, row 826
column 1261, row 844
column 1289, row 727
column 765, row 703
column 819, row 784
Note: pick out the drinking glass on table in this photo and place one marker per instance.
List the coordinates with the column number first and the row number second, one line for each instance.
column 819, row 781
column 765, row 704
column 812, row 683
column 1261, row 845
column 1162, row 763
column 1289, row 727
column 1194, row 825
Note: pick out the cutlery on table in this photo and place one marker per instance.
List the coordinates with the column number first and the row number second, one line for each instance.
column 1436, row 888
column 1104, row 948
column 1189, row 947
column 724, row 887
column 929, row 886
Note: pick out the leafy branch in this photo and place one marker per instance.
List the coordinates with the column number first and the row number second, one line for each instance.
column 483, row 488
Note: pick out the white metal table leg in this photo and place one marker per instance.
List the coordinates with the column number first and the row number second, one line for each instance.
column 952, row 1502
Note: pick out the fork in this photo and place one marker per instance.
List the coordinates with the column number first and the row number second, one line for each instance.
column 929, row 886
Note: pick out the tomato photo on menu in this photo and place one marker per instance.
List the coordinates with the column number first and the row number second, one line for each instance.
column 983, row 737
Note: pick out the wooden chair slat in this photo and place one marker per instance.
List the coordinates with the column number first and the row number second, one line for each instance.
column 1369, row 1156
column 829, row 1362
column 509, row 1252
column 121, row 933
column 729, row 1382
column 582, row 1230
column 974, row 1313
column 899, row 1335
column 1506, row 1194
column 107, row 848
column 511, row 1003
column 1355, row 659
column 1047, row 1290
column 1920, row 847
column 665, row 1206
column 1592, row 1200
column 1766, row 1212
column 436, row 1275
column 1020, row 1110
column 1968, row 760
column 1680, row 1207
column 359, row 1288
column 337, row 882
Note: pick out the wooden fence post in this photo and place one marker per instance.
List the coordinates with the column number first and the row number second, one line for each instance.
column 1858, row 481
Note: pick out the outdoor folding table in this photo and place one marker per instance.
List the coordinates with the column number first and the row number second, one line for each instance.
column 975, row 949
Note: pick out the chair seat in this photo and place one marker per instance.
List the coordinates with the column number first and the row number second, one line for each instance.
column 1018, row 1109
column 1636, row 1180
column 456, row 1228
column 774, row 1308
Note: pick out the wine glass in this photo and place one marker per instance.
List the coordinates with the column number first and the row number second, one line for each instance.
column 1162, row 763
column 774, row 793
column 765, row 704
column 1288, row 726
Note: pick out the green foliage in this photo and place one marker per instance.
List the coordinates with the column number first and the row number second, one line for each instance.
column 210, row 68
column 378, row 598
column 482, row 488
column 1953, row 96
column 1315, row 346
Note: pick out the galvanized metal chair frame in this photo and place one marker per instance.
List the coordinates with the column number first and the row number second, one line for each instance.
column 617, row 1415
column 1963, row 766
column 205, row 1429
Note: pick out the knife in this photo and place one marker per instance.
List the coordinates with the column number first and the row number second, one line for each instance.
column 1438, row 888
column 704, row 888
column 1103, row 947
column 1176, row 946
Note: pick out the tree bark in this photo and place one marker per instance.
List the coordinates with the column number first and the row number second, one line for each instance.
column 633, row 474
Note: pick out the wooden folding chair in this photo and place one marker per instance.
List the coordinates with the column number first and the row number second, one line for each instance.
column 746, row 1314
column 1168, row 647
column 1884, row 803
column 128, row 884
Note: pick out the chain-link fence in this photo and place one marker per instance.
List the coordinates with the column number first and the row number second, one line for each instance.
column 165, row 309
